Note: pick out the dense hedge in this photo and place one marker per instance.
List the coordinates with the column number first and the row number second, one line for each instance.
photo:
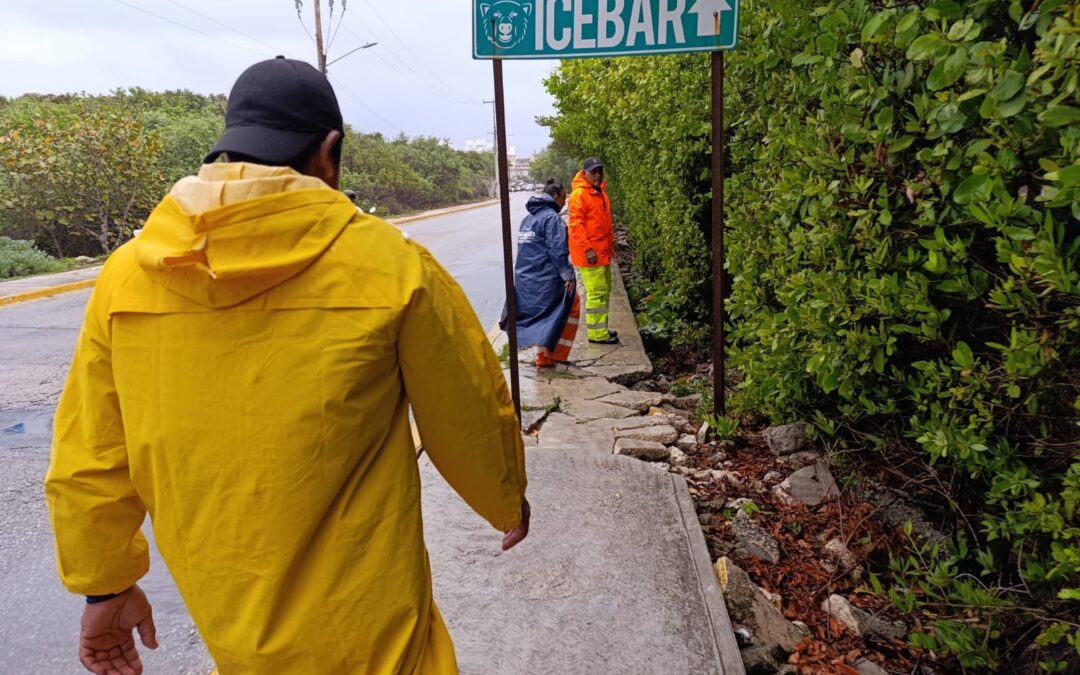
column 903, row 198
column 649, row 121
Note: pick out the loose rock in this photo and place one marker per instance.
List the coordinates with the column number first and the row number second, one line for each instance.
column 773, row 477
column 752, row 540
column 690, row 402
column 703, row 433
column 782, row 496
column 646, row 451
column 867, row 667
column 786, row 439
column 803, row 458
column 738, row 504
column 676, row 412
column 677, row 457
column 687, row 443
column 664, row 434
column 728, row 477
column 763, row 659
column 841, row 558
column 860, row 622
column 811, row 485
column 749, row 606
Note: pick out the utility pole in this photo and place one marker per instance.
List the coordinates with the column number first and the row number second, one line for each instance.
column 320, row 43
column 494, row 146
column 318, row 36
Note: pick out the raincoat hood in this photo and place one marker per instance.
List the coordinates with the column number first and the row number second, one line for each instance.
column 236, row 230
column 582, row 183
column 541, row 202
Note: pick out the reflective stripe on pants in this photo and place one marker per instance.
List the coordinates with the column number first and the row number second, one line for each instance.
column 597, row 282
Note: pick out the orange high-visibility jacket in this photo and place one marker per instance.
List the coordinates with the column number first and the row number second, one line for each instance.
column 590, row 223
column 244, row 375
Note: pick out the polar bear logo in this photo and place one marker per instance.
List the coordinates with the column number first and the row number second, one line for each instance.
column 506, row 23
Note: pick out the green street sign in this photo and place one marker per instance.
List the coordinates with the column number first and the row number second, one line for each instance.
column 566, row 29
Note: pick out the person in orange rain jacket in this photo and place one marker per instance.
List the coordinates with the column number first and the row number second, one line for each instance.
column 592, row 242
column 244, row 377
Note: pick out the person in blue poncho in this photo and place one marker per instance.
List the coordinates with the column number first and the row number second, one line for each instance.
column 548, row 308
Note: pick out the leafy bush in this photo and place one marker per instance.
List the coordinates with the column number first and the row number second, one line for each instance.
column 79, row 173
column 903, row 199
column 20, row 258
column 550, row 163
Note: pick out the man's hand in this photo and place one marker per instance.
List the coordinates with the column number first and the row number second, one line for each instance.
column 516, row 535
column 590, row 256
column 571, row 284
column 106, row 646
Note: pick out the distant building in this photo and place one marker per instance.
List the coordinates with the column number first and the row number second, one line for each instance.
column 486, row 145
column 478, row 145
column 519, row 169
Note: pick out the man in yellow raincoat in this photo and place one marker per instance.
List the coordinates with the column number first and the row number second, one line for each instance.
column 243, row 376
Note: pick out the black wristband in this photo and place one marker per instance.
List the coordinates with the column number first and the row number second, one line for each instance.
column 95, row 599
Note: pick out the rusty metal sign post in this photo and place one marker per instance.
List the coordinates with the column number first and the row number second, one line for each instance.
column 508, row 253
column 719, row 290
column 558, row 29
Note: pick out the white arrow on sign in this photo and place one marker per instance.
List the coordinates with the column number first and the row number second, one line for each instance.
column 707, row 12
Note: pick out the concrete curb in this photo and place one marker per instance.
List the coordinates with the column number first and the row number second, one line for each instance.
column 37, row 294
column 46, row 292
column 441, row 212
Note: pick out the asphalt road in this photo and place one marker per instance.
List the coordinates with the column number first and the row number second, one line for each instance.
column 38, row 618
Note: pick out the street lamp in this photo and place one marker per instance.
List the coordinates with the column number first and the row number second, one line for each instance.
column 367, row 46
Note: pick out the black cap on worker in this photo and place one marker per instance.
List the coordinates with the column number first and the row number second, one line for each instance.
column 593, row 163
column 277, row 109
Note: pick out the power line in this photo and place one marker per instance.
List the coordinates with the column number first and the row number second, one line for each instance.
column 186, row 27
column 223, row 25
column 411, row 52
column 304, row 25
column 365, row 106
column 416, row 77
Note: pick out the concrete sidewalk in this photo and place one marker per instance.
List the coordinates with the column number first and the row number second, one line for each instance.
column 616, row 576
column 42, row 286
column 613, row 578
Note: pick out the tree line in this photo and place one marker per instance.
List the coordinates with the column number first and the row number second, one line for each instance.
column 78, row 173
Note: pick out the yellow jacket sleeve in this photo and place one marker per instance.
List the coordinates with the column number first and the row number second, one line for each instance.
column 95, row 512
column 459, row 397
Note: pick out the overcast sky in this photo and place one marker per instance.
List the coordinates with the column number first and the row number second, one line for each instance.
column 419, row 79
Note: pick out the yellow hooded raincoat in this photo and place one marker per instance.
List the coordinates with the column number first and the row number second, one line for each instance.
column 244, row 375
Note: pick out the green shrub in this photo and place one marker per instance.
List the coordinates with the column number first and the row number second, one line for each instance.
column 903, row 202
column 20, row 258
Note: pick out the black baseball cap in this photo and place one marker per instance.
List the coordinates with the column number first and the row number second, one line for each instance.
column 276, row 110
column 593, row 163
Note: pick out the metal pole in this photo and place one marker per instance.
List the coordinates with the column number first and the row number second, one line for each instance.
column 319, row 37
column 508, row 255
column 718, row 285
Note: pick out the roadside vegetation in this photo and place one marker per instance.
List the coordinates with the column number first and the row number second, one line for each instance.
column 21, row 258
column 78, row 174
column 903, row 201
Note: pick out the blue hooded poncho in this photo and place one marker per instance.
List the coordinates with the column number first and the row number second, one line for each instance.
column 540, row 275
